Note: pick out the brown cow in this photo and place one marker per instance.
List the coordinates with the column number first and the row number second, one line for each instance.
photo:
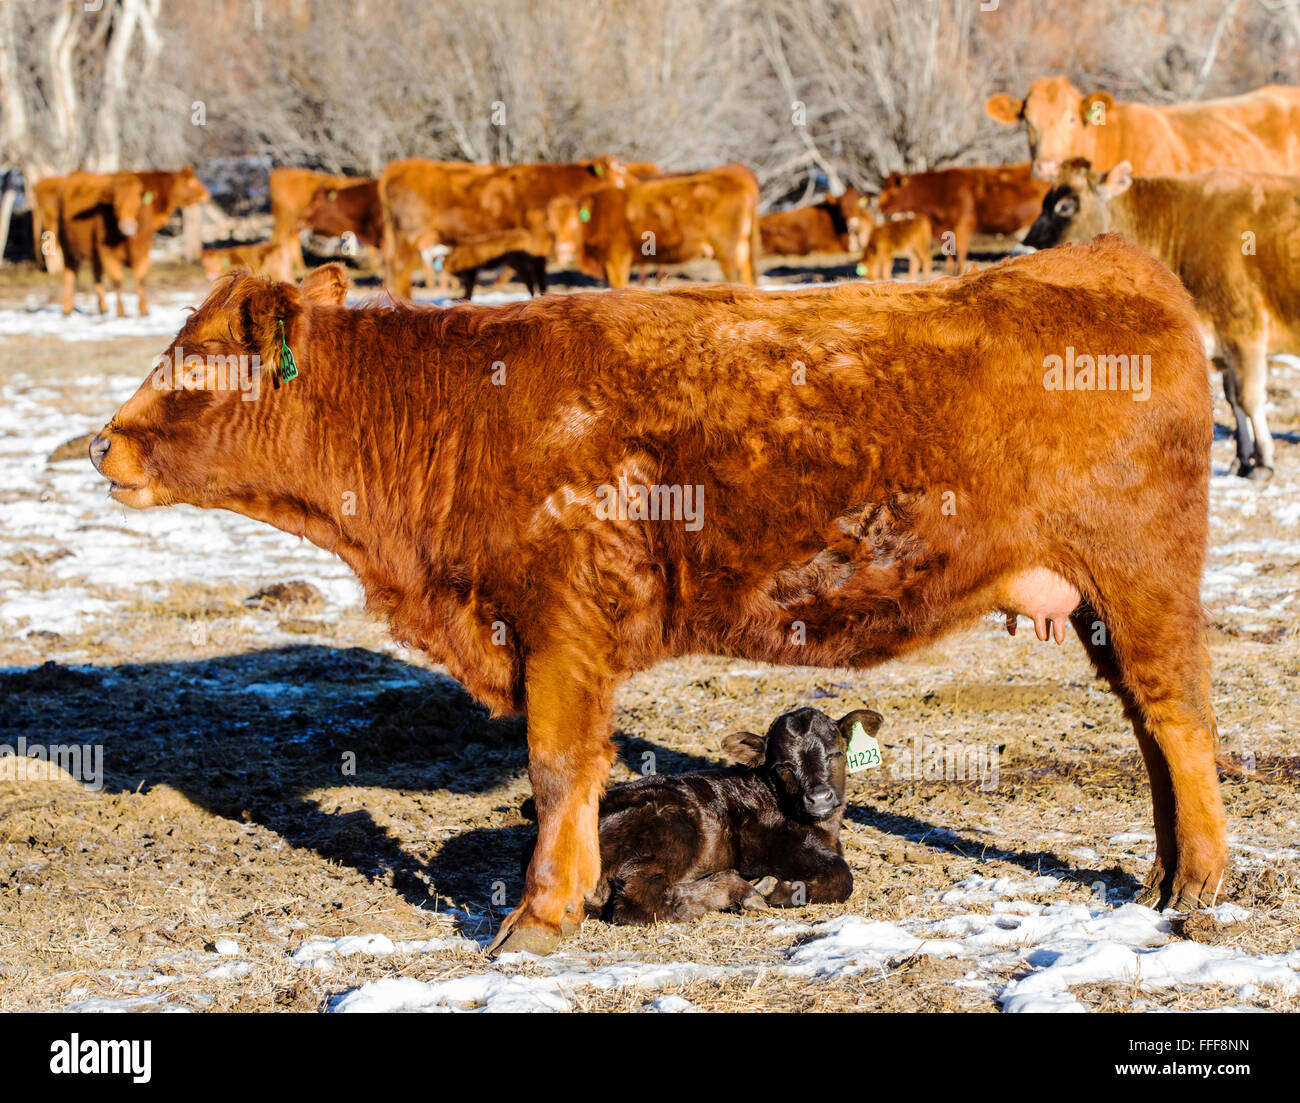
column 46, row 195
column 645, row 480
column 292, row 191
column 910, row 236
column 432, row 204
column 523, row 250
column 273, row 259
column 672, row 219
column 1257, row 130
column 1232, row 237
column 960, row 202
column 831, row 226
column 110, row 220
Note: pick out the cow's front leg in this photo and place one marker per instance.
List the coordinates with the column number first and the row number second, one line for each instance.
column 569, row 701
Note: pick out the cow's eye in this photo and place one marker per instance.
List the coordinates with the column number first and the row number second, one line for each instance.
column 1066, row 207
column 836, row 754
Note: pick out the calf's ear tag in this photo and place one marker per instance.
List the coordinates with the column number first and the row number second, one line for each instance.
column 147, row 197
column 584, row 214
column 864, row 750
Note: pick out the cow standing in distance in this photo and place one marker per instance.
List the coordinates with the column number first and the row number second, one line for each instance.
column 1232, row 237
column 762, row 834
column 961, row 202
column 669, row 219
column 431, row 205
column 110, row 220
column 1257, row 131
column 875, row 466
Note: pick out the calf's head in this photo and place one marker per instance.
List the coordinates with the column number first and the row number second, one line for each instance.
column 205, row 427
column 1077, row 208
column 802, row 758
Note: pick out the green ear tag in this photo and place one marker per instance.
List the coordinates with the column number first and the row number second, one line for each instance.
column 864, row 751
column 584, row 214
column 147, row 197
column 861, row 269
column 288, row 368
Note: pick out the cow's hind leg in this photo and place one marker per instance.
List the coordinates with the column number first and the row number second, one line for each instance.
column 1245, row 434
column 1150, row 648
column 569, row 755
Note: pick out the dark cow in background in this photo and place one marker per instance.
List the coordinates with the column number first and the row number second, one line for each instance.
column 831, row 226
column 806, row 520
column 670, row 219
column 1232, row 237
column 960, row 202
column 762, row 834
column 110, row 220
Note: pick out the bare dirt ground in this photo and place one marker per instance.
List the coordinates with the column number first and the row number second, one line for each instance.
column 277, row 773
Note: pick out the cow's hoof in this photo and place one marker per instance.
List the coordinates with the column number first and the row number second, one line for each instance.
column 766, row 885
column 1259, row 473
column 753, row 903
column 526, row 940
column 1154, row 890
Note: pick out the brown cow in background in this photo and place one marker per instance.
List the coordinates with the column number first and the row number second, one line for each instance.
column 431, row 204
column 292, row 191
column 46, row 195
column 831, row 226
column 672, row 219
column 650, row 483
column 110, row 220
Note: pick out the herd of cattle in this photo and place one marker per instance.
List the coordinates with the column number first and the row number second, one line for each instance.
column 606, row 217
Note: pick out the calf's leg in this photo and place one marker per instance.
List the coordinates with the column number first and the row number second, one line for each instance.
column 569, row 704
column 653, row 898
column 827, row 880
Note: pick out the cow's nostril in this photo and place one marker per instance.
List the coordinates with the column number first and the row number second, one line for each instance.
column 98, row 450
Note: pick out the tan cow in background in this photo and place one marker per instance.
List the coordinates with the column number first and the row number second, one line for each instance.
column 1259, row 130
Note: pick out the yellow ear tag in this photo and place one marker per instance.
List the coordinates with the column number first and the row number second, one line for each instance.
column 147, row 197
column 864, row 751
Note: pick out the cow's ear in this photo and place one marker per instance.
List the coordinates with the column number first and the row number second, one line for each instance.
column 273, row 322
column 745, row 747
column 1095, row 107
column 326, row 285
column 1004, row 109
column 1117, row 181
column 870, row 720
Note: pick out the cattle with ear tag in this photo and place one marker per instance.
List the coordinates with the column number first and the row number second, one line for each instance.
column 870, row 720
column 1095, row 107
column 272, row 323
column 746, row 748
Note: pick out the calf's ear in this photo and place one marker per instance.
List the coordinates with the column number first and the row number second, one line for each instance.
column 326, row 285
column 1004, row 108
column 1117, row 180
column 870, row 719
column 745, row 747
column 272, row 320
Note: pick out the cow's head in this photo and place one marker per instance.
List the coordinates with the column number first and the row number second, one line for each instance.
column 608, row 169
column 802, row 757
column 1077, row 208
column 188, row 189
column 205, row 428
column 1061, row 121
column 564, row 221
column 894, row 196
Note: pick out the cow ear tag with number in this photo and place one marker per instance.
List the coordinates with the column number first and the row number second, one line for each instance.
column 288, row 367
column 864, row 750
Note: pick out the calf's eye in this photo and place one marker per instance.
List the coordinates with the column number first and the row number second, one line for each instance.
column 1066, row 207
